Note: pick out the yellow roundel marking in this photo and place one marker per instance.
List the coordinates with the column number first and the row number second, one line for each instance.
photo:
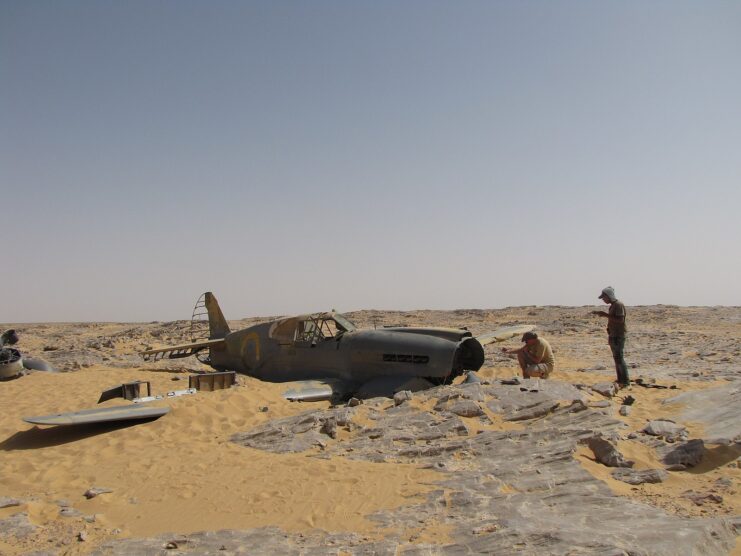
column 255, row 338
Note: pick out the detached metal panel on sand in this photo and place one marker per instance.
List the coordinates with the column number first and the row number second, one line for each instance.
column 100, row 415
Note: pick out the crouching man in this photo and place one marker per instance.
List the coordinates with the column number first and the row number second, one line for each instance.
column 535, row 357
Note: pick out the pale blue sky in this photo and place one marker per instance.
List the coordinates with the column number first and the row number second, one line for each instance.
column 299, row 156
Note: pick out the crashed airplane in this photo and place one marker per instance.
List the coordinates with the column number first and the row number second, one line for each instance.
column 327, row 357
column 13, row 364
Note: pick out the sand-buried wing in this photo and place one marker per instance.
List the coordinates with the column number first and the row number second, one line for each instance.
column 504, row 333
column 100, row 415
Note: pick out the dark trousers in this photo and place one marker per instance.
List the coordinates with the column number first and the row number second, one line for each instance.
column 617, row 345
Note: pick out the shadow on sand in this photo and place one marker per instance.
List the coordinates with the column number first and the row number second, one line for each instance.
column 38, row 437
column 715, row 457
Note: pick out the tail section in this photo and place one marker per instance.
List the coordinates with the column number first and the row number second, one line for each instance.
column 217, row 325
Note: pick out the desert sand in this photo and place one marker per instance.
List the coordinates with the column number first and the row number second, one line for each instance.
column 182, row 474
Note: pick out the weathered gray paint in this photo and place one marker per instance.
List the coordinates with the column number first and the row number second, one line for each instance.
column 100, row 415
column 286, row 350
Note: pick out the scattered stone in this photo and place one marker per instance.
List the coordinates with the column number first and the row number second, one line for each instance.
column 90, row 518
column 606, row 453
column 665, row 428
column 538, row 410
column 263, row 409
column 635, row 477
column 17, row 525
column 466, row 408
column 69, row 512
column 607, row 389
column 352, row 402
column 679, row 458
column 490, row 528
column 403, row 396
column 624, row 410
column 600, row 404
column 82, row 536
column 6, row 502
column 700, row 498
column 92, row 492
column 329, row 427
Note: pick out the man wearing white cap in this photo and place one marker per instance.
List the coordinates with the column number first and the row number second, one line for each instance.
column 616, row 330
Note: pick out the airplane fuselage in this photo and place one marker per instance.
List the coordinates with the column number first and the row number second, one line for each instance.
column 356, row 357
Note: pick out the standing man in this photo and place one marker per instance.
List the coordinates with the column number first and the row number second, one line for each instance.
column 616, row 330
column 535, row 357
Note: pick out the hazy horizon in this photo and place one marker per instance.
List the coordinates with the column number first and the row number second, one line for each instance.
column 297, row 157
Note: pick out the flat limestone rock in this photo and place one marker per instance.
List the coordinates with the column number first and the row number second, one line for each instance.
column 265, row 541
column 466, row 408
column 502, row 492
column 607, row 389
column 718, row 409
column 532, row 412
column 635, row 477
column 6, row 502
column 17, row 525
column 292, row 434
column 665, row 428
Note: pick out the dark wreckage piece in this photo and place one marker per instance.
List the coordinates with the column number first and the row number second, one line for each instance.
column 13, row 364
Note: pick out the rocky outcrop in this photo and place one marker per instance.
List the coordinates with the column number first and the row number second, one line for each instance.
column 508, row 492
column 606, row 453
column 669, row 430
column 635, row 477
column 17, row 525
column 718, row 409
column 679, row 457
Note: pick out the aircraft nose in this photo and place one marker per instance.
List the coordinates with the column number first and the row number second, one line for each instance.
column 469, row 356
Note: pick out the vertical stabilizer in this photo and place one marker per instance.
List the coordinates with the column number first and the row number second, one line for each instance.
column 217, row 326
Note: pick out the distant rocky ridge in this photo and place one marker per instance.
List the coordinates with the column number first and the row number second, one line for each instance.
column 663, row 340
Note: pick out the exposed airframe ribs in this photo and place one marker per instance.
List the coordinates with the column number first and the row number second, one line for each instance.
column 199, row 330
column 178, row 352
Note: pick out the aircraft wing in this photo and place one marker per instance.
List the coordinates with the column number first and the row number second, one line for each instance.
column 504, row 333
column 316, row 390
column 326, row 389
column 183, row 350
column 100, row 415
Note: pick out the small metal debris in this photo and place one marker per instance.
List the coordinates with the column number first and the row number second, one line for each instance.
column 208, row 382
column 92, row 492
column 173, row 394
column 128, row 391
